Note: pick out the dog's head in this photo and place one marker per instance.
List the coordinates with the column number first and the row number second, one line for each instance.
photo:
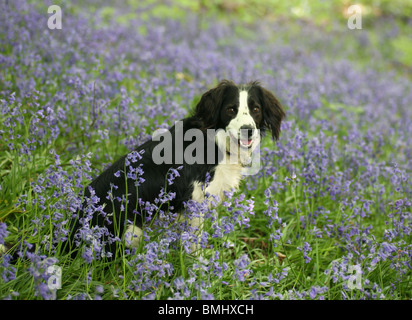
column 244, row 112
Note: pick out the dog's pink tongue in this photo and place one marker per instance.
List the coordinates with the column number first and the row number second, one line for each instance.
column 245, row 142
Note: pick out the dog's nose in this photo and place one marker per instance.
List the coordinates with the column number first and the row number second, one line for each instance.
column 246, row 131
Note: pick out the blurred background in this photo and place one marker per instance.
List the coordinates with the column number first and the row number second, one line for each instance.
column 389, row 18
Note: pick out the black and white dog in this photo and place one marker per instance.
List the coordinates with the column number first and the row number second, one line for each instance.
column 229, row 120
column 227, row 124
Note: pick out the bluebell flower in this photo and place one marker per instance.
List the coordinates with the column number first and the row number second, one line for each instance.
column 3, row 232
column 8, row 271
column 305, row 250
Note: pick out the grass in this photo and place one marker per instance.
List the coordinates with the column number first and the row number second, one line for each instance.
column 82, row 279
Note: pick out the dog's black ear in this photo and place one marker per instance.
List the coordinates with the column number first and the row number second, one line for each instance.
column 273, row 113
column 207, row 110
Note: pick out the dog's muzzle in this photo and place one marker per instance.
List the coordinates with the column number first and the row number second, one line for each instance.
column 246, row 136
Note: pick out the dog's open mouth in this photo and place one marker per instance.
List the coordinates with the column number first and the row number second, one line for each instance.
column 242, row 142
column 245, row 142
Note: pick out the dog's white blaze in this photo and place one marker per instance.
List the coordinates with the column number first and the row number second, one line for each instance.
column 243, row 107
column 133, row 235
column 243, row 116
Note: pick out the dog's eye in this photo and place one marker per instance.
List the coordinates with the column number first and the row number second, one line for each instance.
column 231, row 110
column 255, row 109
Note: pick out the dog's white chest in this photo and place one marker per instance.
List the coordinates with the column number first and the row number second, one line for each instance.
column 226, row 177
